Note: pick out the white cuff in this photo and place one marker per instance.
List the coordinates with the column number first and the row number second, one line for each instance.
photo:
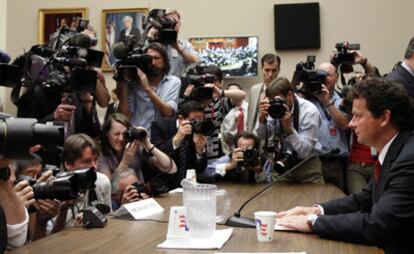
column 320, row 208
column 221, row 169
column 17, row 233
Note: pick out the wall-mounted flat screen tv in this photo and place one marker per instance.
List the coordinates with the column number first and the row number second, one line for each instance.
column 236, row 56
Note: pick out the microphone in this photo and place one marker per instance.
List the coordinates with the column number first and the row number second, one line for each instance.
column 119, row 50
column 237, row 221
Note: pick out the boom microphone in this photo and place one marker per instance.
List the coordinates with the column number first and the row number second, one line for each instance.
column 119, row 50
column 237, row 221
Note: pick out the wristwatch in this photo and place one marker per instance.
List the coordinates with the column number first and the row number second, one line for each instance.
column 311, row 220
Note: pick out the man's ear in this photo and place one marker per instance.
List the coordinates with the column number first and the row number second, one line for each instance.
column 180, row 118
column 68, row 166
column 385, row 118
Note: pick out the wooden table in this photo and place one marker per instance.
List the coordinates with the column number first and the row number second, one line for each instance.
column 124, row 236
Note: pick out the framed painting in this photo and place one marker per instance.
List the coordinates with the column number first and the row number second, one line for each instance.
column 117, row 26
column 51, row 20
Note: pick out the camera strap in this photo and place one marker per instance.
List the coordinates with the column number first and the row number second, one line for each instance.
column 92, row 196
column 3, row 231
column 296, row 114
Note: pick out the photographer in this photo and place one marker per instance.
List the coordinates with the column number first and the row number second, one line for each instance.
column 177, row 137
column 293, row 130
column 270, row 68
column 120, row 152
column 180, row 52
column 13, row 212
column 333, row 128
column 123, row 188
column 156, row 93
column 404, row 72
column 244, row 164
column 215, row 106
column 81, row 151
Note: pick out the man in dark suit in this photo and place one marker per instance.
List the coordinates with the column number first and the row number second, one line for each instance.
column 382, row 214
column 404, row 72
column 129, row 30
column 177, row 139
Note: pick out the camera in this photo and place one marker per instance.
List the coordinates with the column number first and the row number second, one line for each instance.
column 133, row 133
column 250, row 157
column 66, row 185
column 130, row 59
column 17, row 135
column 286, row 161
column 205, row 127
column 198, row 75
column 343, row 57
column 156, row 18
column 277, row 108
column 154, row 187
column 312, row 78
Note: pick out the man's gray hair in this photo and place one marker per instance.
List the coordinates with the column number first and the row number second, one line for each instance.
column 410, row 49
column 118, row 175
column 127, row 17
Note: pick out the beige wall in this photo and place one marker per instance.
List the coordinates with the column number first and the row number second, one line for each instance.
column 3, row 17
column 383, row 27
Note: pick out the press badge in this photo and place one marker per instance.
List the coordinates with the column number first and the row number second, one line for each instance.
column 332, row 129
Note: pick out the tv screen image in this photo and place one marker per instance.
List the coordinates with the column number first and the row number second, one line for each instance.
column 236, row 56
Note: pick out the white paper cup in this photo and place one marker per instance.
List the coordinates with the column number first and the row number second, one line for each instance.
column 177, row 224
column 265, row 224
column 191, row 175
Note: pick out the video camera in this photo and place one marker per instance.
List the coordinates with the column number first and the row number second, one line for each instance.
column 66, row 67
column 343, row 57
column 156, row 18
column 66, row 186
column 198, row 75
column 154, row 187
column 17, row 135
column 130, row 59
column 285, row 161
column 204, row 127
column 312, row 78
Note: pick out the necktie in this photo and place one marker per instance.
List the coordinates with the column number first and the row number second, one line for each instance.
column 182, row 161
column 240, row 121
column 377, row 171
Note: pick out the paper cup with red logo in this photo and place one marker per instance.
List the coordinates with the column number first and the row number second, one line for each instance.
column 265, row 224
column 177, row 224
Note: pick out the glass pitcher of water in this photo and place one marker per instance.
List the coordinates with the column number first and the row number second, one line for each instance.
column 200, row 202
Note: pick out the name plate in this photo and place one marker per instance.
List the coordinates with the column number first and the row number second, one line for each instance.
column 143, row 208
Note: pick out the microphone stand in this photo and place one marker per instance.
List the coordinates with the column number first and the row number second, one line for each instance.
column 244, row 222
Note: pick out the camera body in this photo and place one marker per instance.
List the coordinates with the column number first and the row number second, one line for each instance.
column 204, row 127
column 154, row 187
column 250, row 157
column 312, row 78
column 277, row 108
column 133, row 133
column 166, row 35
column 286, row 160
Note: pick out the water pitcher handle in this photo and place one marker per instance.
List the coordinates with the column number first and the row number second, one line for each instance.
column 226, row 206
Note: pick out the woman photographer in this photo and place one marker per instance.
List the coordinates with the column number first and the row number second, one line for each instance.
column 118, row 155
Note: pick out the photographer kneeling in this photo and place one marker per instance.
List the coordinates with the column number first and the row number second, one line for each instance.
column 244, row 164
column 290, row 127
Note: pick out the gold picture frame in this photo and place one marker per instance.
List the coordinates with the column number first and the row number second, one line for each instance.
column 50, row 20
column 113, row 30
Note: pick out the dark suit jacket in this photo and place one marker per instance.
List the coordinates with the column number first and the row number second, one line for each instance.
column 134, row 31
column 162, row 133
column 403, row 77
column 382, row 213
